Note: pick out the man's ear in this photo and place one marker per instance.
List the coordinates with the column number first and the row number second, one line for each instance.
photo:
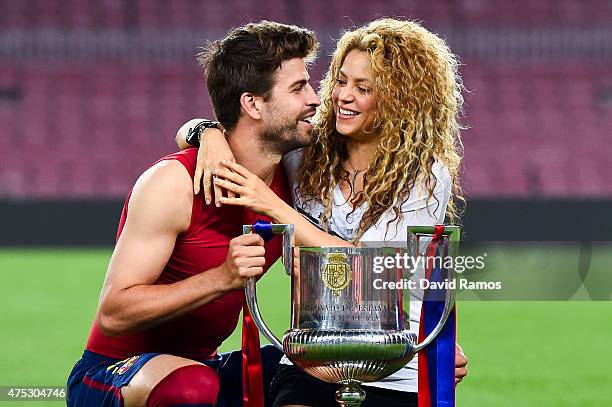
column 251, row 105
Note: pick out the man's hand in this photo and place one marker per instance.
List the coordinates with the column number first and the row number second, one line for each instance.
column 461, row 362
column 245, row 259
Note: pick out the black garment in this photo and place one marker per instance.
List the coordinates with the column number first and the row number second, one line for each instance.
column 293, row 386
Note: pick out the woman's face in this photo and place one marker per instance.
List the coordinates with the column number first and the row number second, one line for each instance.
column 354, row 103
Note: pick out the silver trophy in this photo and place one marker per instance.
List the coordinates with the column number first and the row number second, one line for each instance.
column 346, row 326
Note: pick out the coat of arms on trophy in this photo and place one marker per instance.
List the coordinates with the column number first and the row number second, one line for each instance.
column 337, row 272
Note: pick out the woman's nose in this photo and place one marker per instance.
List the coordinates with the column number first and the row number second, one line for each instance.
column 345, row 94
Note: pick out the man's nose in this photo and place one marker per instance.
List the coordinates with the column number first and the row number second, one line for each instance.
column 312, row 98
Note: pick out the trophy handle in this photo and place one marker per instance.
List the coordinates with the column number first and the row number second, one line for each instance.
column 250, row 289
column 449, row 302
column 453, row 235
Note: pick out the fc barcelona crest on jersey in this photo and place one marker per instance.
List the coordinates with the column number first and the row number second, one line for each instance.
column 127, row 364
column 337, row 273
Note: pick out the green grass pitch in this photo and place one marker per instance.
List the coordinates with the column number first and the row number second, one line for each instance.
column 521, row 353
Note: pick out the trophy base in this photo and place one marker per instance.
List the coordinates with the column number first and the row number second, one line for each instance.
column 343, row 356
column 350, row 395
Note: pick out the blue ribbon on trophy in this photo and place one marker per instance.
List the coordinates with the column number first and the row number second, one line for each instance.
column 437, row 361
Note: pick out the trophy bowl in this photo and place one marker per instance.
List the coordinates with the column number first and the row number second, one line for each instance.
column 357, row 355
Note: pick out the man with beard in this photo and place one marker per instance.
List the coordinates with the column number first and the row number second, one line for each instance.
column 173, row 289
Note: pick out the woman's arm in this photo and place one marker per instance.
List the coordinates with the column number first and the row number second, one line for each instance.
column 257, row 196
column 264, row 201
column 306, row 234
column 183, row 131
column 213, row 149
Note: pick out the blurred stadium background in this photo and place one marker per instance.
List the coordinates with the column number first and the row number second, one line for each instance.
column 92, row 92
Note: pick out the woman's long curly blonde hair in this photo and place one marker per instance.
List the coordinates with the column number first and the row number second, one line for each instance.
column 418, row 93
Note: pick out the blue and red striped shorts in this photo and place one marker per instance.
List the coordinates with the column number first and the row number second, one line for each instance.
column 96, row 380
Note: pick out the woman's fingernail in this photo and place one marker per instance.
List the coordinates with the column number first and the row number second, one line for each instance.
column 208, row 202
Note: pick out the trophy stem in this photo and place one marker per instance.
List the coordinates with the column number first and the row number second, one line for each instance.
column 350, row 394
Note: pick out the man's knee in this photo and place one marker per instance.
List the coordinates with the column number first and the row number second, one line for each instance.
column 194, row 385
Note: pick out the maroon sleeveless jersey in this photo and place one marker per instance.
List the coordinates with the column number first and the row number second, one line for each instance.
column 204, row 245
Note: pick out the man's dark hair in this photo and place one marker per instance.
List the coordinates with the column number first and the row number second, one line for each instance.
column 245, row 61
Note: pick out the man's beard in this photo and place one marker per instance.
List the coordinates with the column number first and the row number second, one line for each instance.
column 282, row 138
